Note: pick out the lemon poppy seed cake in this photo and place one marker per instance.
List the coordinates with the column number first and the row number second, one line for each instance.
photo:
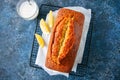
column 65, row 40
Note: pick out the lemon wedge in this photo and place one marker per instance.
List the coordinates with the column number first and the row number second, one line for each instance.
column 39, row 40
column 50, row 19
column 44, row 27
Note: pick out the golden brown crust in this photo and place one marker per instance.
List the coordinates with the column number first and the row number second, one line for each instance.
column 64, row 40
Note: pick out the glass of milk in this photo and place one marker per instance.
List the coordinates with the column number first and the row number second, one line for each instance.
column 27, row 9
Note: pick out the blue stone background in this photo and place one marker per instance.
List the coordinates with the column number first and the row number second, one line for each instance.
column 16, row 36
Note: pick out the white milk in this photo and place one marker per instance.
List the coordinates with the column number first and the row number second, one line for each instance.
column 28, row 10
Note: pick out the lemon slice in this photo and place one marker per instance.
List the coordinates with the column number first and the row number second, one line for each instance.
column 44, row 27
column 50, row 19
column 39, row 40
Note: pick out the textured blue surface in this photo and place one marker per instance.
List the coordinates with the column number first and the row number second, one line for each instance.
column 16, row 36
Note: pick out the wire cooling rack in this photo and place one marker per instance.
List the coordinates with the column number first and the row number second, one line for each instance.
column 81, row 68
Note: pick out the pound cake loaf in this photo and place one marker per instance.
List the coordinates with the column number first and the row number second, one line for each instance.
column 64, row 41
